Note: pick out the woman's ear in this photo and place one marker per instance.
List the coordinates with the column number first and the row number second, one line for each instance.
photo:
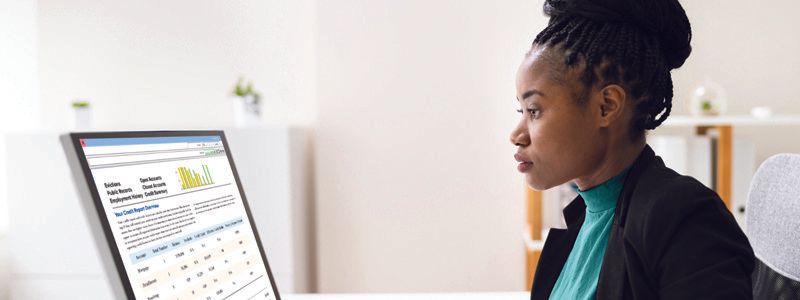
column 612, row 104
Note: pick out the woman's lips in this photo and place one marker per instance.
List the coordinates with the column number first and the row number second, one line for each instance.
column 524, row 164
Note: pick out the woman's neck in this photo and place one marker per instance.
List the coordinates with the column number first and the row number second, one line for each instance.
column 616, row 160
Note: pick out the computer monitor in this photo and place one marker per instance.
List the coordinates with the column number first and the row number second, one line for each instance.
column 171, row 210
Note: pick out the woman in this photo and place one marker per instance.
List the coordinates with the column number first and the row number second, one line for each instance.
column 594, row 80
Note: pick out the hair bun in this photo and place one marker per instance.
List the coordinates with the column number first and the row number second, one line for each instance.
column 664, row 18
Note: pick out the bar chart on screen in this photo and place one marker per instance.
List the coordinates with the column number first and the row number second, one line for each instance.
column 192, row 179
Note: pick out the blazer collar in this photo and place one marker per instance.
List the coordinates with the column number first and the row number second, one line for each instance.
column 575, row 211
column 642, row 163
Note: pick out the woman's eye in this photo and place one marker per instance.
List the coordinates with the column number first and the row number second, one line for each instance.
column 533, row 112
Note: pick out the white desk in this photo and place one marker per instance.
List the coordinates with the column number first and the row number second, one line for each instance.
column 431, row 296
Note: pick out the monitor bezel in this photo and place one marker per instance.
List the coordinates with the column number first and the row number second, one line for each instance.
column 99, row 209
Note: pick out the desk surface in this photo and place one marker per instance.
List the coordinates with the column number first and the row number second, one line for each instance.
column 412, row 296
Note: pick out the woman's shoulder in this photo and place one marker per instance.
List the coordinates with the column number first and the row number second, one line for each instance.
column 661, row 188
column 678, row 226
column 664, row 200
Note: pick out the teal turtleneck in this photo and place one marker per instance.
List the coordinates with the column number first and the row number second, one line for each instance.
column 578, row 279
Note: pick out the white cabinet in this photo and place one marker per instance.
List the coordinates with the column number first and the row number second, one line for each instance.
column 52, row 254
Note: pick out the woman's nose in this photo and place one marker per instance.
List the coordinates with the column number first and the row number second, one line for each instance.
column 519, row 136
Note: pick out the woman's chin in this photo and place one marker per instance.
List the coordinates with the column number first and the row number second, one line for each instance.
column 535, row 184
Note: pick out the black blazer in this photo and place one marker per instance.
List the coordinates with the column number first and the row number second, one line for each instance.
column 672, row 238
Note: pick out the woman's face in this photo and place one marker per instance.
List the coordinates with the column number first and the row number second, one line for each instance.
column 558, row 139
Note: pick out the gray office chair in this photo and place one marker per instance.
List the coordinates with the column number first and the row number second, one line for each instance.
column 773, row 227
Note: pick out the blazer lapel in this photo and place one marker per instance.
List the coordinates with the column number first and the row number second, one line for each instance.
column 613, row 280
column 557, row 247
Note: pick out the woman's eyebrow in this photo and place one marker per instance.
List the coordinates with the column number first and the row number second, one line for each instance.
column 531, row 93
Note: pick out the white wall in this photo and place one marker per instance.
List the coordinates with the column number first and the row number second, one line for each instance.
column 19, row 98
column 417, row 188
column 753, row 51
column 18, row 74
column 167, row 64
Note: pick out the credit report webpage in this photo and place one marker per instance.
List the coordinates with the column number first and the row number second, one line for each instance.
column 177, row 218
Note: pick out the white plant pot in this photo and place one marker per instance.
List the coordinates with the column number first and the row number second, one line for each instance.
column 82, row 118
column 246, row 111
column 708, row 99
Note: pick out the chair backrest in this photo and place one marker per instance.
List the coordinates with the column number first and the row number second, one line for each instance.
column 773, row 227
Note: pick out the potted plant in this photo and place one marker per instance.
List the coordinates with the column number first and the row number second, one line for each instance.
column 82, row 114
column 246, row 105
column 708, row 99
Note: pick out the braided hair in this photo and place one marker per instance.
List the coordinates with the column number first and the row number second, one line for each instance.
column 633, row 43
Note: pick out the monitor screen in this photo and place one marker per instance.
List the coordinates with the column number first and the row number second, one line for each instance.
column 175, row 216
